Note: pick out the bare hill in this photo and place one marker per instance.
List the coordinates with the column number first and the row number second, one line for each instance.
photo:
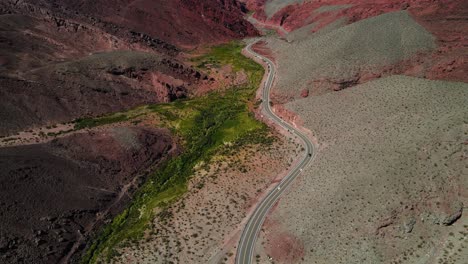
column 338, row 58
column 54, row 194
column 389, row 183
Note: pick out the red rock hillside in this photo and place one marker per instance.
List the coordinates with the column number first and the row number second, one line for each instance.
column 185, row 23
column 62, row 60
column 445, row 19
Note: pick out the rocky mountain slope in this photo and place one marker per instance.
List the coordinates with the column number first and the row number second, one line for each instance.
column 183, row 23
column 74, row 60
column 67, row 62
column 52, row 194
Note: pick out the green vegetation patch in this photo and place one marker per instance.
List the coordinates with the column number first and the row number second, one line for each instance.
column 89, row 122
column 206, row 125
column 230, row 53
column 93, row 122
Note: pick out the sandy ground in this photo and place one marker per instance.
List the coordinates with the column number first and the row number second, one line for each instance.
column 388, row 184
column 204, row 225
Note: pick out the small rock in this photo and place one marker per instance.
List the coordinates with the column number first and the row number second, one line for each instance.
column 47, row 218
column 454, row 215
column 38, row 241
column 409, row 225
column 305, row 93
column 4, row 243
column 449, row 215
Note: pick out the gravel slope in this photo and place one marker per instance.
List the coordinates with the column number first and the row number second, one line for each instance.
column 342, row 53
column 387, row 185
column 273, row 6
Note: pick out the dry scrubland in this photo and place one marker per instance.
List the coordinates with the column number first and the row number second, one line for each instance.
column 305, row 31
column 339, row 53
column 194, row 229
column 389, row 179
column 388, row 184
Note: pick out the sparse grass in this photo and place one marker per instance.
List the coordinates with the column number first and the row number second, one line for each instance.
column 90, row 122
column 93, row 122
column 207, row 125
column 231, row 54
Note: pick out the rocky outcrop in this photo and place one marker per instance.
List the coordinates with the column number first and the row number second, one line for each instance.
column 153, row 42
column 82, row 26
column 446, row 215
column 227, row 13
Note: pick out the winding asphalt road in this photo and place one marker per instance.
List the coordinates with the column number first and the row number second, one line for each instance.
column 249, row 236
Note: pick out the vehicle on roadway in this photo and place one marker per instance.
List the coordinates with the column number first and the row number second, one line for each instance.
column 246, row 246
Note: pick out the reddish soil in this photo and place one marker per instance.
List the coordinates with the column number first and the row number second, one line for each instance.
column 78, row 47
column 446, row 20
column 184, row 23
column 62, row 60
column 295, row 16
column 261, row 48
column 449, row 23
column 282, row 246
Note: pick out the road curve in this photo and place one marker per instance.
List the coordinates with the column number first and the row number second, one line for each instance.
column 249, row 236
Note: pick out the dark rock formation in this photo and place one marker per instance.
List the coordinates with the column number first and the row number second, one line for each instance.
column 184, row 23
column 52, row 194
